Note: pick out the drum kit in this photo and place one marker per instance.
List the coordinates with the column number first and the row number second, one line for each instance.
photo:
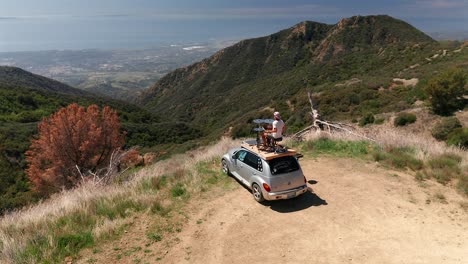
column 260, row 128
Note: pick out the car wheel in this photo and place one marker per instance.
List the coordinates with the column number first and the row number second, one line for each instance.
column 225, row 167
column 257, row 193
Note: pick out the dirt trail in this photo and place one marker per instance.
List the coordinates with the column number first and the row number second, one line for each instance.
column 356, row 212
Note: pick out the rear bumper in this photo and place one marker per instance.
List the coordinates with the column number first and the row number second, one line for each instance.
column 287, row 194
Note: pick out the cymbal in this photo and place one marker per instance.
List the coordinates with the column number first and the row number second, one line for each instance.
column 258, row 121
column 263, row 121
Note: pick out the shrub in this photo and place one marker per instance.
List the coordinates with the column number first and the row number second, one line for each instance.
column 379, row 121
column 458, row 137
column 463, row 184
column 154, row 236
column 446, row 91
column 70, row 244
column 444, row 167
column 72, row 138
column 398, row 158
column 367, row 119
column 178, row 190
column 404, row 118
column 445, row 127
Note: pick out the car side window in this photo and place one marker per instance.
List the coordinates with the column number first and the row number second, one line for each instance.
column 253, row 161
column 240, row 155
column 259, row 164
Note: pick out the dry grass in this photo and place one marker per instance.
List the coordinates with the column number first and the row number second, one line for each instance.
column 419, row 152
column 425, row 146
column 58, row 215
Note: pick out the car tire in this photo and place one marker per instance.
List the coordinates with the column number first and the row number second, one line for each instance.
column 225, row 167
column 257, row 193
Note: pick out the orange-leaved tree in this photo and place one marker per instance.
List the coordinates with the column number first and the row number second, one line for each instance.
column 72, row 142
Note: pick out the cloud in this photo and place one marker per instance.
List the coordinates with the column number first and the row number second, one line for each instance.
column 448, row 3
column 435, row 9
column 266, row 12
column 298, row 10
column 444, row 4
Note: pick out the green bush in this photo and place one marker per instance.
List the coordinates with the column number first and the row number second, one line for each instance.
column 367, row 119
column 463, row 184
column 458, row 137
column 154, row 236
column 398, row 158
column 446, row 91
column 70, row 244
column 379, row 121
column 444, row 168
column 404, row 119
column 445, row 127
column 444, row 161
column 178, row 190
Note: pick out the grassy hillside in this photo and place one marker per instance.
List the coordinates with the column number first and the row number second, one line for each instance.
column 12, row 77
column 26, row 98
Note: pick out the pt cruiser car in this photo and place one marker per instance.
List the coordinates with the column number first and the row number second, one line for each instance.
column 270, row 176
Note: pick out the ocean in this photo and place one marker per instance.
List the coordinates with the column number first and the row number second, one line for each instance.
column 122, row 32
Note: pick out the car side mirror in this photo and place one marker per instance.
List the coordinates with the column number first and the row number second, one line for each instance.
column 234, row 157
column 299, row 155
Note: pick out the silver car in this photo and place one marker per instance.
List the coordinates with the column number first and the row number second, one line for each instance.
column 269, row 176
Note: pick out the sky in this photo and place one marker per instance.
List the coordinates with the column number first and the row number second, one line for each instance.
column 45, row 21
column 429, row 12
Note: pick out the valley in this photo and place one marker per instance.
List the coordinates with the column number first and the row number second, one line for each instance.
column 119, row 74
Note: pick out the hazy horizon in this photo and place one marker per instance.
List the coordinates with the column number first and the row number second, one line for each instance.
column 29, row 25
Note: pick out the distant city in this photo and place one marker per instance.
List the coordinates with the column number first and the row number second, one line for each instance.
column 116, row 73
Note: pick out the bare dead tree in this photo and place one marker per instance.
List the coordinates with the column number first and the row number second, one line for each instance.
column 107, row 175
column 318, row 124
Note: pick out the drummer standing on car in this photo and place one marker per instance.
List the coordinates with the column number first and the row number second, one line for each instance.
column 278, row 129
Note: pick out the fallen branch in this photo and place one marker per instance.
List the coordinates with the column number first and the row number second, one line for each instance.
column 346, row 130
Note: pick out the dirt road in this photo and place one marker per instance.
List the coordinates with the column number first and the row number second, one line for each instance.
column 356, row 212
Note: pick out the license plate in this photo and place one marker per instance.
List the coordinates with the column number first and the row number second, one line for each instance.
column 292, row 195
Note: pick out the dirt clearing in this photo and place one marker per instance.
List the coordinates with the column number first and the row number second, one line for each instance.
column 356, row 212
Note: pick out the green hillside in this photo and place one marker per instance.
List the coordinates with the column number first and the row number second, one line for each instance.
column 274, row 72
column 26, row 98
column 12, row 77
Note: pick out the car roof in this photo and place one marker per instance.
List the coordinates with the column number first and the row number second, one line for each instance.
column 266, row 155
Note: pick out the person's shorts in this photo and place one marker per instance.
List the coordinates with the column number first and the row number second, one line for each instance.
column 270, row 136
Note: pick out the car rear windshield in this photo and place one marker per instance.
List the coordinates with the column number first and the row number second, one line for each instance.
column 283, row 165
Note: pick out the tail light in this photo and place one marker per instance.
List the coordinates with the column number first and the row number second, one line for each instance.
column 305, row 180
column 266, row 187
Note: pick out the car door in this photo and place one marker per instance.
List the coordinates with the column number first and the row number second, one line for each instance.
column 239, row 165
column 253, row 166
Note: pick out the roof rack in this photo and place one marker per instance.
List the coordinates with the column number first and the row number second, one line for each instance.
column 266, row 155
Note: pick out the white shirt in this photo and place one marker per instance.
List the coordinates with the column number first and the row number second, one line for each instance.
column 279, row 125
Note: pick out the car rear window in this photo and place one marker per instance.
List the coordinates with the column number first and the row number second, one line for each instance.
column 283, row 165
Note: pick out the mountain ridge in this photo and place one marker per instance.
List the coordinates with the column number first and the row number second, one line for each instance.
column 278, row 66
column 11, row 77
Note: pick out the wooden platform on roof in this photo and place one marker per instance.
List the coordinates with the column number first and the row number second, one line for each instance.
column 267, row 155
